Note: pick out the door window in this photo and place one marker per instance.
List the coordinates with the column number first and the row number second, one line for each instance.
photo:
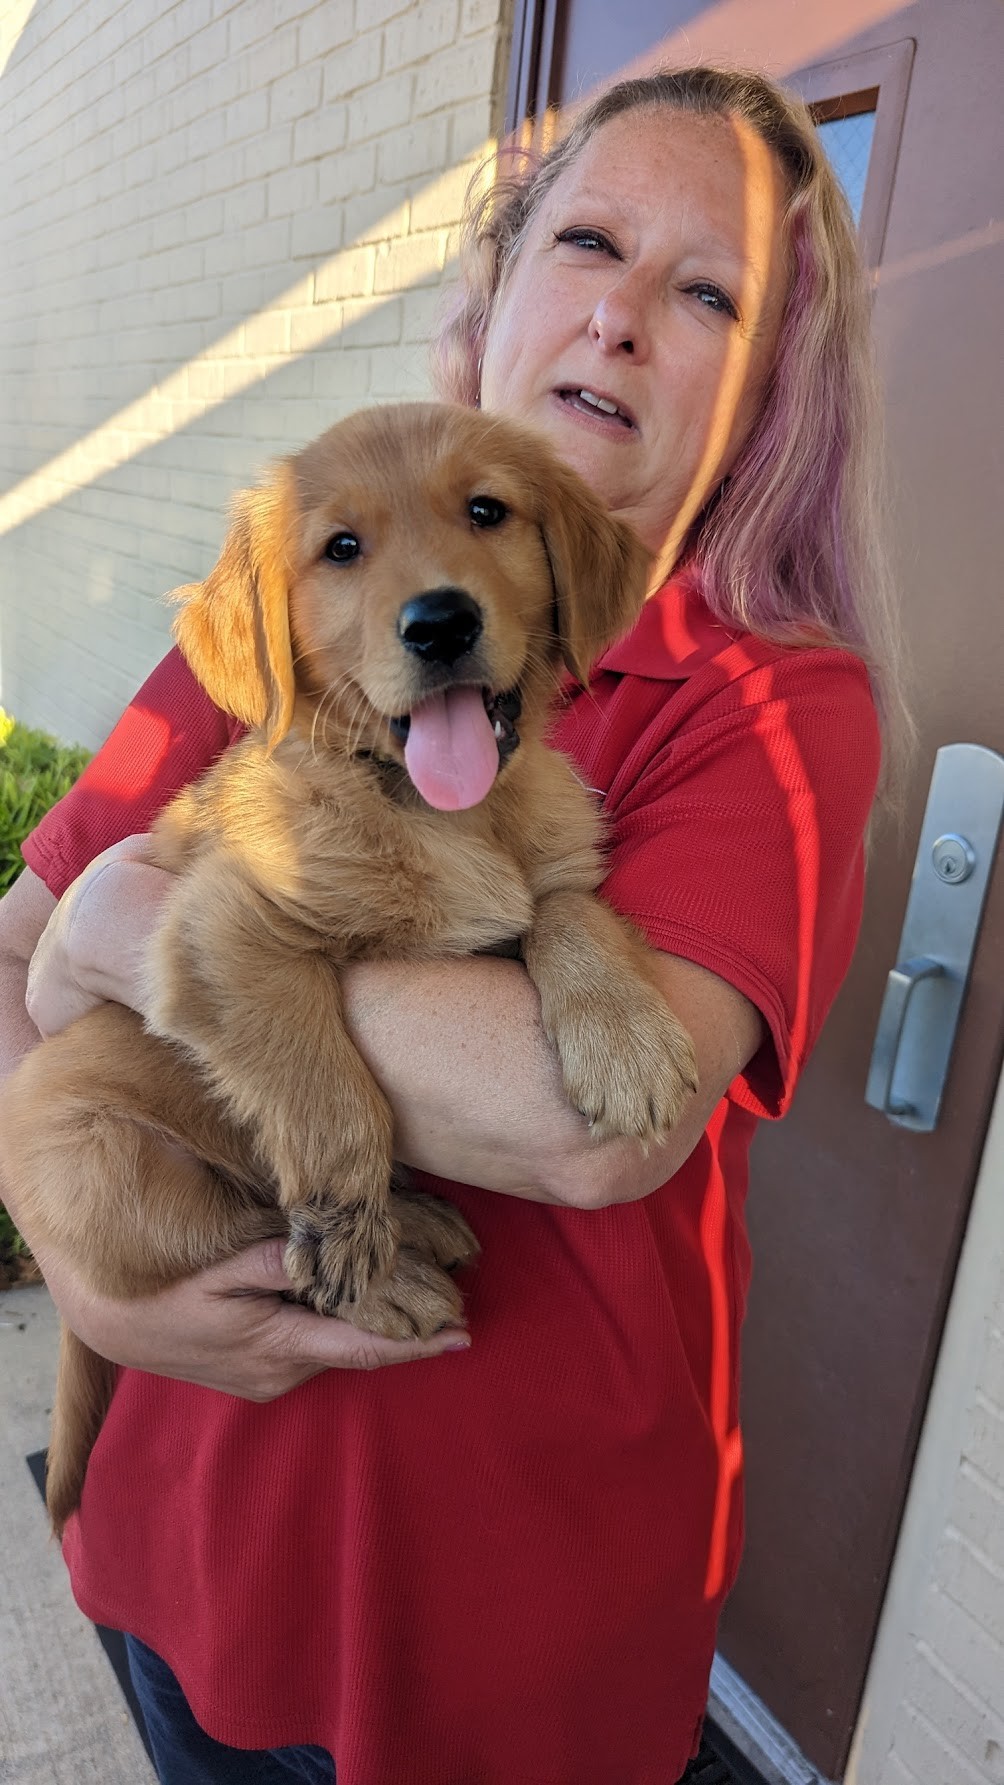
column 858, row 103
column 847, row 130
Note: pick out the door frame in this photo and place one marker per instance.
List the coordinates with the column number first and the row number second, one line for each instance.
column 755, row 1732
column 530, row 90
column 886, row 71
column 936, row 1465
column 741, row 1715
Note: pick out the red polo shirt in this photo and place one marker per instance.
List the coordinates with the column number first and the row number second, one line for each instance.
column 506, row 1567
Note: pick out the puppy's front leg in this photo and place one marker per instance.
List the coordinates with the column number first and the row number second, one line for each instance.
column 260, row 1006
column 628, row 1064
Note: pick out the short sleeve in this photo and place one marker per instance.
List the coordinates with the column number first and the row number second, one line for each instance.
column 741, row 847
column 166, row 738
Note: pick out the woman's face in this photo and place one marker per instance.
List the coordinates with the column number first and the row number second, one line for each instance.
column 651, row 278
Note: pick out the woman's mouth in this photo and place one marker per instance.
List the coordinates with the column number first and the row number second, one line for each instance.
column 602, row 410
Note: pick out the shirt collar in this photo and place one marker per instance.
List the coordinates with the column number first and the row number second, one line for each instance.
column 675, row 635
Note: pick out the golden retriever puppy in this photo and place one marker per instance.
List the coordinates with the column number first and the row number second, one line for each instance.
column 389, row 617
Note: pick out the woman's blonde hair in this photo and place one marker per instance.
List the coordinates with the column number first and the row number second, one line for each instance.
column 790, row 547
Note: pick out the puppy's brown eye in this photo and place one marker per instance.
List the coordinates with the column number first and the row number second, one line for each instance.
column 342, row 548
column 486, row 511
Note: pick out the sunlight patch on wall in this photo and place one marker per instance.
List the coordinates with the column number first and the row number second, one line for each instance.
column 13, row 18
column 310, row 313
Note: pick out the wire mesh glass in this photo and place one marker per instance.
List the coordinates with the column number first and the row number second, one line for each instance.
column 848, row 144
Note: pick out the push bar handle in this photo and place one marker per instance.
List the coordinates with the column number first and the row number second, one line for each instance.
column 900, row 987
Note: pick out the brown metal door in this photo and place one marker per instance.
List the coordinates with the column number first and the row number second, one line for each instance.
column 856, row 1224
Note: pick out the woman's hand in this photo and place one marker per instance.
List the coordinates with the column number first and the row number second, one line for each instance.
column 228, row 1328
column 93, row 946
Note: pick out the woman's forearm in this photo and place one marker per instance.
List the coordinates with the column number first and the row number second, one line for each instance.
column 475, row 1086
column 17, row 1031
column 457, row 1045
column 24, row 912
column 18, row 1035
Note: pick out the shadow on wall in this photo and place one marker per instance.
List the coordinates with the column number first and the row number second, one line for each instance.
column 111, row 547
column 222, row 247
column 205, row 336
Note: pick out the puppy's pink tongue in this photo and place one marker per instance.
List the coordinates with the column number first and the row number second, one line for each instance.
column 451, row 751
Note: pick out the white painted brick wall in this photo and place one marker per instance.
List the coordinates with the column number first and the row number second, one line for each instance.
column 223, row 223
column 950, row 1730
column 934, row 1707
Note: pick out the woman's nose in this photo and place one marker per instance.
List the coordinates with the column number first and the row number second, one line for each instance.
column 619, row 323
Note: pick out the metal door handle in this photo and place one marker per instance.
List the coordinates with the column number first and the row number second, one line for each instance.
column 898, row 992
column 955, row 858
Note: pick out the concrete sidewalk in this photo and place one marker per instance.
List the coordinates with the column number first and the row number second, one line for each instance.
column 63, row 1720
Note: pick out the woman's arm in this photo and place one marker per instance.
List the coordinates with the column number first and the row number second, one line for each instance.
column 476, row 1088
column 457, row 1046
column 229, row 1327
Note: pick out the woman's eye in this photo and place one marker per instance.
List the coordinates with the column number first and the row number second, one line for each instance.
column 592, row 239
column 486, row 511
column 714, row 298
column 342, row 548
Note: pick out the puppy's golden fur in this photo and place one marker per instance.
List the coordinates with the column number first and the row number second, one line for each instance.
column 241, row 1109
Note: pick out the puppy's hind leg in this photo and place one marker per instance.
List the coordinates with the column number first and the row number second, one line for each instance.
column 95, row 1134
column 192, row 1217
column 124, row 1163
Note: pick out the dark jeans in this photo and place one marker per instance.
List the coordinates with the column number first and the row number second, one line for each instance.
column 185, row 1755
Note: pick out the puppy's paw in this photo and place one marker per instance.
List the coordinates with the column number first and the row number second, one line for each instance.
column 335, row 1251
column 628, row 1064
column 434, row 1229
column 415, row 1301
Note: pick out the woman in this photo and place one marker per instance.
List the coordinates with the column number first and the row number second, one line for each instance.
column 508, row 1566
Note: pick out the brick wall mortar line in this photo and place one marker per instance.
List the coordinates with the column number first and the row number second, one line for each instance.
column 958, row 1684
column 947, row 1747
column 995, row 1571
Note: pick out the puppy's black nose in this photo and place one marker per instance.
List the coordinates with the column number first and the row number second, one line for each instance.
column 441, row 626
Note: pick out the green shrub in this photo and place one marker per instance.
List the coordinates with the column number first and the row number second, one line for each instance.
column 16, row 1262
column 35, row 772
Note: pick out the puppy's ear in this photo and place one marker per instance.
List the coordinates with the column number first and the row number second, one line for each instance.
column 599, row 566
column 233, row 629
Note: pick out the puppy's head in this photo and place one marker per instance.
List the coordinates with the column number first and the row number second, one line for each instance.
column 412, row 581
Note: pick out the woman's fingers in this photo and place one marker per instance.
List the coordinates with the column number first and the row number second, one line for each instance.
column 315, row 1340
column 320, row 1343
column 335, row 1345
column 259, row 1270
column 229, row 1328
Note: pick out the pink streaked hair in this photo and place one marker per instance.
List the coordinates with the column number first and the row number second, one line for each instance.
column 790, row 547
